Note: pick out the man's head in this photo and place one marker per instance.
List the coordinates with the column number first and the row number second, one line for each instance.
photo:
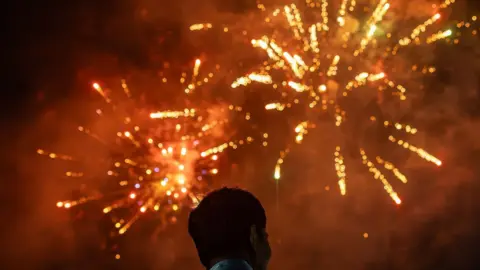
column 230, row 223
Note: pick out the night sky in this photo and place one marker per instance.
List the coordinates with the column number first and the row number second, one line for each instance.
column 53, row 50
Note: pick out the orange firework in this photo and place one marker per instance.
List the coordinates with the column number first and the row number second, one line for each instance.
column 161, row 160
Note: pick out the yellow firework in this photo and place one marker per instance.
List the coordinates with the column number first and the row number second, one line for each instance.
column 319, row 56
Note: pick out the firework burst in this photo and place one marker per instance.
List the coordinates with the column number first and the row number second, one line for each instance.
column 158, row 161
column 329, row 62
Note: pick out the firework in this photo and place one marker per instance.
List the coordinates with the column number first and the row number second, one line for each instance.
column 159, row 161
column 324, row 58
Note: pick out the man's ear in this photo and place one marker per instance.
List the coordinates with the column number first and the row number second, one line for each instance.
column 253, row 236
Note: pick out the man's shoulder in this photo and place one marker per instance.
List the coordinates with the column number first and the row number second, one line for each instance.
column 231, row 264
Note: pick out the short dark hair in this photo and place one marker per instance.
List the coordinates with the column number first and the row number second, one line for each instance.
column 220, row 225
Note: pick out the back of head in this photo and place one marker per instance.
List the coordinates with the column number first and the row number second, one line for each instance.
column 220, row 226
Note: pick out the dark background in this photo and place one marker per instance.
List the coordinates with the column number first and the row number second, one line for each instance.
column 52, row 49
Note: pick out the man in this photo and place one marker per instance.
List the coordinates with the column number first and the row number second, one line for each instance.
column 229, row 231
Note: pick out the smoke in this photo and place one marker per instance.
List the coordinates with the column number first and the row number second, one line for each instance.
column 217, row 115
column 39, row 231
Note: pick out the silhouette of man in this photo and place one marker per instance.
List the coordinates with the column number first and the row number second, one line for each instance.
column 229, row 231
